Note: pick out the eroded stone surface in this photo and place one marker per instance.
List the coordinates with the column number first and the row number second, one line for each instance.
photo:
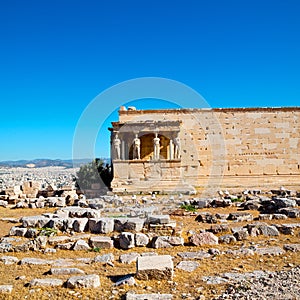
column 44, row 282
column 87, row 281
column 194, row 255
column 129, row 258
column 188, row 266
column 155, row 267
column 103, row 242
column 65, row 271
column 6, row 289
column 205, row 238
column 166, row 241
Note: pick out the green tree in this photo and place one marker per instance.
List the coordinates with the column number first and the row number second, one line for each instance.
column 95, row 172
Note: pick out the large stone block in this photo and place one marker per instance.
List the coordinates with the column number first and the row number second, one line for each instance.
column 167, row 241
column 80, row 224
column 155, row 267
column 87, row 281
column 141, row 239
column 103, row 225
column 126, row 240
column 45, row 282
column 205, row 238
column 103, row 242
column 34, row 221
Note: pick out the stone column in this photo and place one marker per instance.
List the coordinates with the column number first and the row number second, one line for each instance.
column 171, row 150
column 156, row 152
column 123, row 150
column 136, row 147
column 117, row 147
column 177, row 147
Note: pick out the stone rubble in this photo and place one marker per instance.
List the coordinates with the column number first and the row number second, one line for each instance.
column 280, row 285
column 85, row 229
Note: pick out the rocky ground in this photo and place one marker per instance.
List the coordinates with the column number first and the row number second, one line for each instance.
column 281, row 285
column 224, row 249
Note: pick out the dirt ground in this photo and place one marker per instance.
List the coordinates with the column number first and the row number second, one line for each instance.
column 182, row 283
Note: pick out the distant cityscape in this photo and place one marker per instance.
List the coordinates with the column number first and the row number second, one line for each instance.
column 32, row 178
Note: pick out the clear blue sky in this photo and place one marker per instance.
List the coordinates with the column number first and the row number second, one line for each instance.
column 56, row 56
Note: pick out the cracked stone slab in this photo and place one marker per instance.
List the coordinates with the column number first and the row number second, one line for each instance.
column 45, row 282
column 155, row 267
column 269, row 251
column 188, row 266
column 105, row 258
column 129, row 258
column 35, row 261
column 194, row 255
column 87, row 281
column 65, row 271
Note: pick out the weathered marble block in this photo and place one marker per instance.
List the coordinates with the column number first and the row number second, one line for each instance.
column 154, row 267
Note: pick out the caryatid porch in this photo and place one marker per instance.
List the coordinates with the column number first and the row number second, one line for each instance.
column 146, row 156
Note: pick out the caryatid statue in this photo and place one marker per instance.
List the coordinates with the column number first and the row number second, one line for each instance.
column 117, row 147
column 136, row 147
column 156, row 141
column 177, row 147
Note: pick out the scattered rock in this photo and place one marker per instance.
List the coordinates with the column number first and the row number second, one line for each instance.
column 268, row 230
column 240, row 234
column 6, row 289
column 103, row 242
column 129, row 280
column 86, row 281
column 126, row 240
column 166, row 241
column 194, row 255
column 45, row 282
column 9, row 260
column 158, row 219
column 206, row 217
column 35, row 261
column 81, row 245
column 129, row 258
column 155, row 267
column 269, row 251
column 227, row 239
column 240, row 216
column 219, row 228
column 290, row 212
column 240, row 252
column 65, row 271
column 205, row 238
column 105, row 258
column 187, row 265
column 141, row 239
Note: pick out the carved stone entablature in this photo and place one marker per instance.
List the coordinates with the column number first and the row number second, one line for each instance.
column 147, row 126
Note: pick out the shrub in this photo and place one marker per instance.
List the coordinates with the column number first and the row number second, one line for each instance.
column 188, row 207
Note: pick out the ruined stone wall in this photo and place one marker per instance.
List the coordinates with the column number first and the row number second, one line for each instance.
column 235, row 147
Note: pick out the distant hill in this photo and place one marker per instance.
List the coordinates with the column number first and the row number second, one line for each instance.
column 44, row 162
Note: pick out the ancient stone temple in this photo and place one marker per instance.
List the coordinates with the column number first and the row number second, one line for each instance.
column 184, row 150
